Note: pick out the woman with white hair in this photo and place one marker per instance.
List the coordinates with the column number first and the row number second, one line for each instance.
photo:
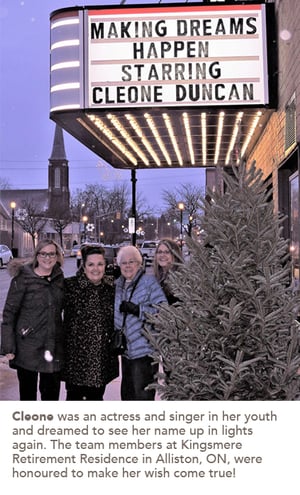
column 137, row 294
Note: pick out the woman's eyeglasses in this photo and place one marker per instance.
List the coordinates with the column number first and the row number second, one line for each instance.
column 130, row 263
column 47, row 255
column 163, row 252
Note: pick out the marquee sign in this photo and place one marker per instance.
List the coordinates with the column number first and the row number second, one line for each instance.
column 164, row 85
column 177, row 55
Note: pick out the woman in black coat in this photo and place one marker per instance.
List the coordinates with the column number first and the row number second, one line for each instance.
column 88, row 326
column 32, row 322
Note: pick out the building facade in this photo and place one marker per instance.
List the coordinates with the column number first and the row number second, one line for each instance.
column 277, row 149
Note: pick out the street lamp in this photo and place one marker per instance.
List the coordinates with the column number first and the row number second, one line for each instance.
column 80, row 231
column 12, row 205
column 84, row 219
column 81, row 213
column 181, row 208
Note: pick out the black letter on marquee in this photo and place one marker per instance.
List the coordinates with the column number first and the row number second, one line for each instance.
column 218, row 88
column 180, row 92
column 97, row 33
column 97, row 98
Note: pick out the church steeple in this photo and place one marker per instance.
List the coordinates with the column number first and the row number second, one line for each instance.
column 58, row 174
column 58, row 149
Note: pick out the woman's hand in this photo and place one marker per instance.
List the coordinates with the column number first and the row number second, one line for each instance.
column 10, row 356
column 129, row 307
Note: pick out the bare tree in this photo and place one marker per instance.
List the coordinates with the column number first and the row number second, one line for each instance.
column 100, row 200
column 109, row 208
column 4, row 183
column 59, row 220
column 106, row 208
column 188, row 194
column 32, row 219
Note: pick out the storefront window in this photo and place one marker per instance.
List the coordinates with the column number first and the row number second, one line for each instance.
column 294, row 231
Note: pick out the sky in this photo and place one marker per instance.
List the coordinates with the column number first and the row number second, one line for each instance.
column 26, row 131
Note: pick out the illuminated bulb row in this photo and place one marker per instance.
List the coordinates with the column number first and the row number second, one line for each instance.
column 112, row 138
column 71, row 106
column 219, row 137
column 65, row 86
column 251, row 131
column 65, row 22
column 159, row 141
column 117, row 124
column 137, row 129
column 189, row 137
column 65, row 65
column 65, row 44
column 234, row 136
column 94, row 133
column 71, row 21
column 172, row 137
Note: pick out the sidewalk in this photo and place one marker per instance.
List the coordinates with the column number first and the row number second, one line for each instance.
column 9, row 384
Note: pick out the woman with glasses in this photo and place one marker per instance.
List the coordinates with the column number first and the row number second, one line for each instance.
column 88, row 326
column 136, row 295
column 167, row 259
column 32, row 322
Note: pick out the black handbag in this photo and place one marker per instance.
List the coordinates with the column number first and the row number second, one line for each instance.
column 118, row 343
column 118, row 340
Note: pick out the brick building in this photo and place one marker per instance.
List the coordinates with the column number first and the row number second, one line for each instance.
column 277, row 149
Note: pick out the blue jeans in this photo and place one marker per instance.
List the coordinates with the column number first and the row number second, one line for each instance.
column 137, row 374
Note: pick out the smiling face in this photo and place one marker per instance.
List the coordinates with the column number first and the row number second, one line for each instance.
column 130, row 261
column 94, row 268
column 164, row 257
column 46, row 258
column 129, row 267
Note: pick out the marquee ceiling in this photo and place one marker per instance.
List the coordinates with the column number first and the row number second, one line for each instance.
column 158, row 138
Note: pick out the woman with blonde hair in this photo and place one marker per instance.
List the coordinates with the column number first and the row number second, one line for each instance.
column 167, row 259
column 32, row 322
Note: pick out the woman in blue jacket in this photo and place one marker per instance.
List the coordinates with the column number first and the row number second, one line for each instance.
column 136, row 295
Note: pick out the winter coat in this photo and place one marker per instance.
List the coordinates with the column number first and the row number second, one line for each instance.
column 147, row 294
column 88, row 326
column 164, row 283
column 32, row 319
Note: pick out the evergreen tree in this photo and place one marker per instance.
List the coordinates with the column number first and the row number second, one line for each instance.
column 234, row 334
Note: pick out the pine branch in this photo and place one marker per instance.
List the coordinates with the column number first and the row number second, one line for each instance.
column 233, row 335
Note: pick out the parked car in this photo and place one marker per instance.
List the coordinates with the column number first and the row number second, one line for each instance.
column 5, row 255
column 111, row 261
column 74, row 250
column 111, row 268
column 147, row 250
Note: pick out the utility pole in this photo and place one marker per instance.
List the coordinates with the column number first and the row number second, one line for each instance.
column 133, row 207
